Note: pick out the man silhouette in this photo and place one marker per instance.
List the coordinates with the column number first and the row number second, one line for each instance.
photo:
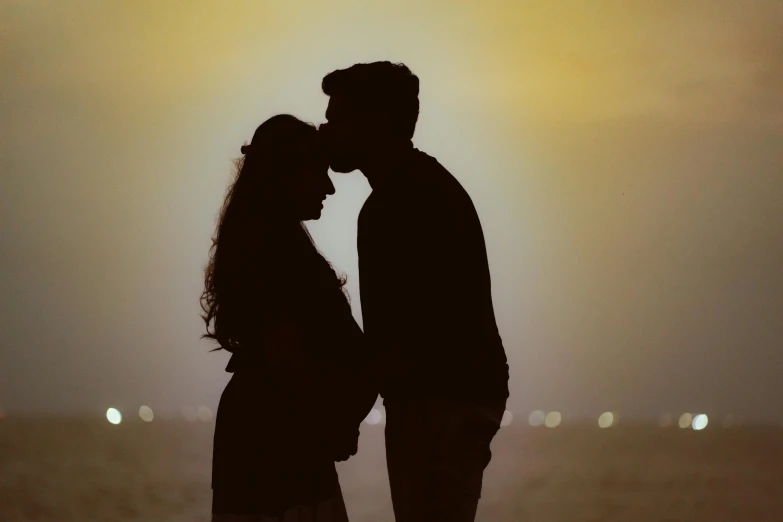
column 425, row 295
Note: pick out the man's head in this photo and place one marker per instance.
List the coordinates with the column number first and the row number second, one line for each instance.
column 373, row 107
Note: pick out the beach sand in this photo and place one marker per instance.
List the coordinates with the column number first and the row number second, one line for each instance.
column 89, row 470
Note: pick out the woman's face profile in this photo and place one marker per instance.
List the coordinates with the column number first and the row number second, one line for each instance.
column 308, row 186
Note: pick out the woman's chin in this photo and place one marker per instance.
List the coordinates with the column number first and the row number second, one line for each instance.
column 341, row 166
column 313, row 215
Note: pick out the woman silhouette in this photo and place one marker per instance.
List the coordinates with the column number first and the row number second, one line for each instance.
column 299, row 388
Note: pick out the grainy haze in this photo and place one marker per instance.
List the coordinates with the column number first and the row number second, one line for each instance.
column 625, row 158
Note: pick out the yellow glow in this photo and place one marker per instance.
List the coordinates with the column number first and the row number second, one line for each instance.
column 553, row 419
column 537, row 418
column 545, row 110
column 606, row 420
column 113, row 415
column 685, row 420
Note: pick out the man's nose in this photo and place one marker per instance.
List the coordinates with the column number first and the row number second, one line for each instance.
column 330, row 190
column 324, row 134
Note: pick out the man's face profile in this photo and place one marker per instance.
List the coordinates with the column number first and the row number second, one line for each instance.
column 342, row 137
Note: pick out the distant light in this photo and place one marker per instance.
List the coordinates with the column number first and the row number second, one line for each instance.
column 145, row 412
column 204, row 414
column 190, row 413
column 606, row 420
column 553, row 419
column 507, row 419
column 114, row 416
column 373, row 418
column 700, row 422
column 685, row 420
column 536, row 418
column 665, row 420
column 728, row 421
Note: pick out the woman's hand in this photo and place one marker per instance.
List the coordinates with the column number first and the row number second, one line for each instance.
column 345, row 445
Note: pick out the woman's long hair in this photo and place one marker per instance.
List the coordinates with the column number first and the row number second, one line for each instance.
column 256, row 238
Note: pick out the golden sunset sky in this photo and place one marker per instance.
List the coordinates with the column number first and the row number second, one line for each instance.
column 626, row 158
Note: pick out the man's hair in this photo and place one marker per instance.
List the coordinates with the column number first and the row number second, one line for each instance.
column 383, row 91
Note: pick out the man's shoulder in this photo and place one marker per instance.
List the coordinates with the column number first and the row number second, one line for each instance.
column 439, row 191
column 428, row 188
column 435, row 177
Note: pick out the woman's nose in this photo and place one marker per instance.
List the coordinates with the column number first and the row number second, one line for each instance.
column 330, row 190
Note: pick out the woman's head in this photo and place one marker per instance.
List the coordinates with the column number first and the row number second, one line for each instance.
column 284, row 171
column 281, row 180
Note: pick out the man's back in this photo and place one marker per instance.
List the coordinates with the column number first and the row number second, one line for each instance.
column 426, row 290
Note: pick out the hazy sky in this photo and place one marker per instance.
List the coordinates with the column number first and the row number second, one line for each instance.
column 626, row 159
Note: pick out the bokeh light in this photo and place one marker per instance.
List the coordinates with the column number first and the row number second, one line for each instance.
column 537, row 418
column 553, row 419
column 190, row 413
column 373, row 418
column 699, row 422
column 204, row 414
column 145, row 412
column 113, row 415
column 606, row 419
column 507, row 419
column 685, row 420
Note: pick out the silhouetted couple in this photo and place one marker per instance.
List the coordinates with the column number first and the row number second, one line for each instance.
column 304, row 374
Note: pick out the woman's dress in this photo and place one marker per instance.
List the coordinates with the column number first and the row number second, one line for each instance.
column 275, row 440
